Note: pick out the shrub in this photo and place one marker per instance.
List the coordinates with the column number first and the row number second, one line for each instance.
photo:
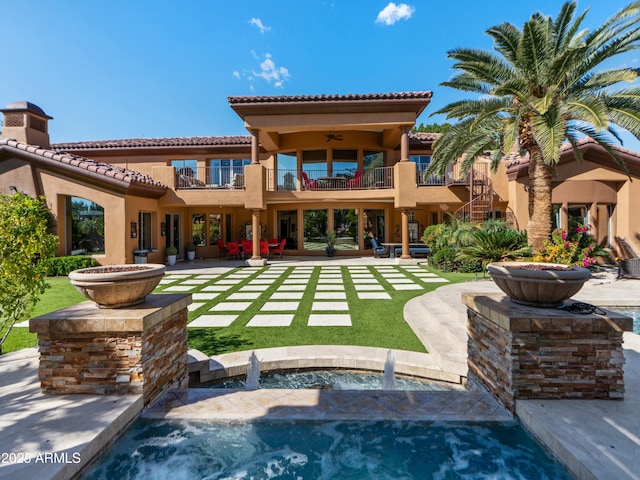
column 61, row 266
column 25, row 245
column 574, row 248
column 496, row 245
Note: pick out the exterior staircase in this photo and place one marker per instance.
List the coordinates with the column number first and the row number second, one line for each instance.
column 480, row 206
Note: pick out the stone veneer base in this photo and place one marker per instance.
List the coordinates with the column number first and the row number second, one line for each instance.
column 136, row 350
column 520, row 352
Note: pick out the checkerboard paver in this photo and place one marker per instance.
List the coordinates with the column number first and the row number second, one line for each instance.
column 221, row 297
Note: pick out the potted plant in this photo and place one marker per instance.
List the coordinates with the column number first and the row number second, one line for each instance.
column 171, row 253
column 191, row 251
column 331, row 244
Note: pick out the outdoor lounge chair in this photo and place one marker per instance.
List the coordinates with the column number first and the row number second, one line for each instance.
column 629, row 268
column 378, row 250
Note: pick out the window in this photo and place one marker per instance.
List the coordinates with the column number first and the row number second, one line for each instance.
column 221, row 171
column 287, row 171
column 186, row 167
column 345, row 222
column 345, row 163
column 315, row 229
column 372, row 159
column 87, row 226
column 314, row 163
column 198, row 237
column 215, row 224
column 144, row 228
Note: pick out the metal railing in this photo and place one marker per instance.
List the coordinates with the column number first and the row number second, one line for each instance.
column 370, row 179
column 210, row 178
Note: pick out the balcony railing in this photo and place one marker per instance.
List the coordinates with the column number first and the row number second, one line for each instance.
column 373, row 178
column 211, row 178
column 453, row 175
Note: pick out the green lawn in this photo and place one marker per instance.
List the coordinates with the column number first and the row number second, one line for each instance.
column 377, row 323
column 60, row 294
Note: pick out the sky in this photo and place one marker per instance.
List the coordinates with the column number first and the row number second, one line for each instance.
column 158, row 68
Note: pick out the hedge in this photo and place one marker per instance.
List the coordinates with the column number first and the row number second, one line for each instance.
column 61, row 266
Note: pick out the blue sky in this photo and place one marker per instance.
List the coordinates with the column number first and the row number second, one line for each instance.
column 159, row 68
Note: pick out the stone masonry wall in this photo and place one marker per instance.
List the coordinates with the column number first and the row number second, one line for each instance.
column 141, row 351
column 524, row 353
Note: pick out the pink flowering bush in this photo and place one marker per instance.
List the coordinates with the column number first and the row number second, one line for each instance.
column 574, row 248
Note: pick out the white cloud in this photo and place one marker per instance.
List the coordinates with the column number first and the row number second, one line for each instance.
column 258, row 23
column 236, row 74
column 393, row 13
column 272, row 73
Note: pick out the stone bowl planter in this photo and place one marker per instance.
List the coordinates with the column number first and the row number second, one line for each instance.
column 117, row 286
column 538, row 284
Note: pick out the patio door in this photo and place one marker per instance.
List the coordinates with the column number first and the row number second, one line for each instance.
column 173, row 237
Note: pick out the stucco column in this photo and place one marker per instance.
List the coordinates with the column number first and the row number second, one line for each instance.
column 255, row 238
column 255, row 147
column 593, row 220
column 404, row 145
column 404, row 214
column 564, row 217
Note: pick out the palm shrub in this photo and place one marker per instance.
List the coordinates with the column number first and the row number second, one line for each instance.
column 537, row 89
column 496, row 245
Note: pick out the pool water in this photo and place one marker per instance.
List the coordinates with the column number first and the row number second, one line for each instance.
column 158, row 450
column 633, row 312
column 337, row 380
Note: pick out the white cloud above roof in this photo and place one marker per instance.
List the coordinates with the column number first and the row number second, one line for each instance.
column 272, row 73
column 392, row 13
column 256, row 22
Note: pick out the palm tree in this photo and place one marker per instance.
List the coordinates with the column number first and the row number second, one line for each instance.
column 539, row 90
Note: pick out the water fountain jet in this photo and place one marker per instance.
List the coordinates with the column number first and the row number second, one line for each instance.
column 253, row 373
column 389, row 379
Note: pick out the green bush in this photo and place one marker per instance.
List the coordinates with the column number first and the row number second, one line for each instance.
column 61, row 266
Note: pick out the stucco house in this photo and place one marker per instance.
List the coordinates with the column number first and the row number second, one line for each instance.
column 310, row 164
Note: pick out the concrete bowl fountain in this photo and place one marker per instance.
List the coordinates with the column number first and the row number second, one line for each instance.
column 538, row 284
column 117, row 286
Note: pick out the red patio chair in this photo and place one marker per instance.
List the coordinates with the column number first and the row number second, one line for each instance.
column 221, row 248
column 278, row 250
column 247, row 248
column 309, row 184
column 356, row 181
column 233, row 249
column 264, row 249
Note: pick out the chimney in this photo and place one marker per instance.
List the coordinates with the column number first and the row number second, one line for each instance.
column 27, row 123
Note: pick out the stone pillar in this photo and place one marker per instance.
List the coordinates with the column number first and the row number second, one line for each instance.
column 520, row 352
column 404, row 144
column 255, row 147
column 135, row 350
column 256, row 259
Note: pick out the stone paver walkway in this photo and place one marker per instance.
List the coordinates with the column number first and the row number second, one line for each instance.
column 220, row 296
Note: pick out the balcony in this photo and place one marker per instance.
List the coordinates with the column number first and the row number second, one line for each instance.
column 319, row 180
column 210, row 178
column 453, row 176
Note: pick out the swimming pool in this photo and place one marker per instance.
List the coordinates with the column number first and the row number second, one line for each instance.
column 325, row 450
column 633, row 312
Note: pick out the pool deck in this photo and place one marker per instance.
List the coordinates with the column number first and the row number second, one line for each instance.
column 60, row 434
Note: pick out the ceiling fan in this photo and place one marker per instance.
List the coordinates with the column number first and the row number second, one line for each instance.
column 333, row 136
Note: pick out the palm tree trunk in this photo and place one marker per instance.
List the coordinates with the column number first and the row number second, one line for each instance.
column 540, row 175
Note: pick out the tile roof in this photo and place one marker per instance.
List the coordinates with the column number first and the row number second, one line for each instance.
column 330, row 98
column 153, row 143
column 415, row 138
column 82, row 165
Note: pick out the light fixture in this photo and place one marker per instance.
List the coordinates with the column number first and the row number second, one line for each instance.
column 134, row 229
